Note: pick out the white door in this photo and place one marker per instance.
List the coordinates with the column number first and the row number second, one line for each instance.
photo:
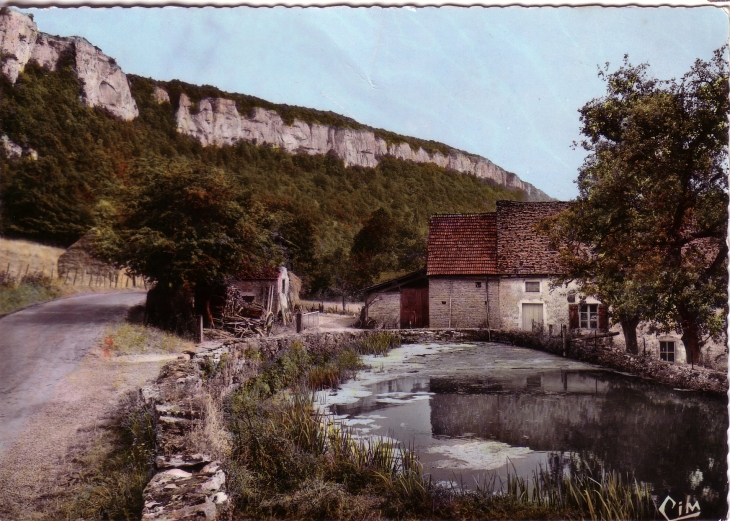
column 531, row 314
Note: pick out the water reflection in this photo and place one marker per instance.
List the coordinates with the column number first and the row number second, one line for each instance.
column 465, row 424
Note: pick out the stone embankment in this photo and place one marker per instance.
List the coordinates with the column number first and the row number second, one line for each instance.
column 188, row 484
column 192, row 484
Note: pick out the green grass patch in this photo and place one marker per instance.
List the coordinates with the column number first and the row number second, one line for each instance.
column 31, row 289
column 377, row 344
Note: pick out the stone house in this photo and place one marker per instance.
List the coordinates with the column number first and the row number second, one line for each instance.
column 493, row 270
column 275, row 289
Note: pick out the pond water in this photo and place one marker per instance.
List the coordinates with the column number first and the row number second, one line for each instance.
column 475, row 412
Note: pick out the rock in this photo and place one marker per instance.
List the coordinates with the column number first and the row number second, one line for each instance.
column 216, row 121
column 48, row 50
column 215, row 483
column 176, row 473
column 161, row 95
column 12, row 150
column 181, row 461
column 18, row 34
column 103, row 84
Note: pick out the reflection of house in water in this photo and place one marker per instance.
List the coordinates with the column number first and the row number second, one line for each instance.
column 628, row 424
column 494, row 270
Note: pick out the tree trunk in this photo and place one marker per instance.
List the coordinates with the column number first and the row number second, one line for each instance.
column 629, row 325
column 691, row 341
column 203, row 296
column 690, row 334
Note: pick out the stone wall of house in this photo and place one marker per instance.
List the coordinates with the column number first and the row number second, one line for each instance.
column 462, row 302
column 512, row 295
column 384, row 308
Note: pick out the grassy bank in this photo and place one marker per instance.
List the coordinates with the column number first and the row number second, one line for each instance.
column 30, row 290
column 289, row 462
column 112, row 475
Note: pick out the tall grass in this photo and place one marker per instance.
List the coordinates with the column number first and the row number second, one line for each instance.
column 377, row 344
column 112, row 477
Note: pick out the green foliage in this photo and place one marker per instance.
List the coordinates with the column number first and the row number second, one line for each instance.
column 647, row 234
column 179, row 222
column 91, row 165
column 378, row 343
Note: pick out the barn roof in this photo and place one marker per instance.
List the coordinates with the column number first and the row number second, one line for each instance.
column 521, row 250
column 462, row 244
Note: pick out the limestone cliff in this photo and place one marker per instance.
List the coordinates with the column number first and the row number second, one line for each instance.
column 217, row 121
column 103, row 84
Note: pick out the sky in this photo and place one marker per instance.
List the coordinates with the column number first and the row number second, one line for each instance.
column 504, row 83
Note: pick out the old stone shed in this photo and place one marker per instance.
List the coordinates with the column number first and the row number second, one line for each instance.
column 494, row 270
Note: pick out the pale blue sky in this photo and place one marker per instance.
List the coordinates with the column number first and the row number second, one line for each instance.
column 505, row 83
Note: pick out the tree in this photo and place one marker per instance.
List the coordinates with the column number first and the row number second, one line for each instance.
column 647, row 233
column 385, row 244
column 184, row 225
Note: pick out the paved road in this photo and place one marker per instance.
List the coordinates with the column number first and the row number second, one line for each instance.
column 42, row 344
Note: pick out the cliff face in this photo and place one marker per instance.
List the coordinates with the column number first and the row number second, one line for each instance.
column 103, row 83
column 216, row 121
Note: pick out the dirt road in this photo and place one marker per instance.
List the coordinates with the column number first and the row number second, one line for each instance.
column 40, row 345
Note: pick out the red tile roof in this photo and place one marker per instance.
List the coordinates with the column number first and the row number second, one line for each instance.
column 523, row 251
column 462, row 244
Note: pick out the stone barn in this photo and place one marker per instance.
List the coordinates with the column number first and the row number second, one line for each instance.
column 399, row 303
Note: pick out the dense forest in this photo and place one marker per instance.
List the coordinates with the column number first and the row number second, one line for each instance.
column 323, row 217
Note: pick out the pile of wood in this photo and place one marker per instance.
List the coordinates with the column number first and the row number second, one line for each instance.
column 242, row 318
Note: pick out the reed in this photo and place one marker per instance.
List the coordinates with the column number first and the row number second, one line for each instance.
column 378, row 343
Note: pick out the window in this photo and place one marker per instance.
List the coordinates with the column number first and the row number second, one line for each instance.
column 532, row 287
column 479, row 284
column 589, row 316
column 666, row 351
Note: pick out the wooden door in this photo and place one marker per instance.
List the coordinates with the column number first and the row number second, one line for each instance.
column 414, row 308
column 531, row 315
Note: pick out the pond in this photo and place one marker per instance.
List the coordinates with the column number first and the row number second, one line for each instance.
column 475, row 412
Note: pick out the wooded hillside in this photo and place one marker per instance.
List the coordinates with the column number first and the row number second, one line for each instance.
column 316, row 205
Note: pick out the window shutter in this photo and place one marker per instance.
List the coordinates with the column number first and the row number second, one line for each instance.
column 573, row 314
column 603, row 317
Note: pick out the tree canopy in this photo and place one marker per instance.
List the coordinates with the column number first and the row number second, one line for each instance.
column 182, row 222
column 647, row 232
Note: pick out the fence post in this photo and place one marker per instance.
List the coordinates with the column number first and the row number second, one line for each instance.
column 565, row 340
column 200, row 329
column 299, row 322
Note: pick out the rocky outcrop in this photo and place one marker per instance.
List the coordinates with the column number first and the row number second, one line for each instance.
column 216, row 121
column 103, row 83
column 14, row 151
column 18, row 34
